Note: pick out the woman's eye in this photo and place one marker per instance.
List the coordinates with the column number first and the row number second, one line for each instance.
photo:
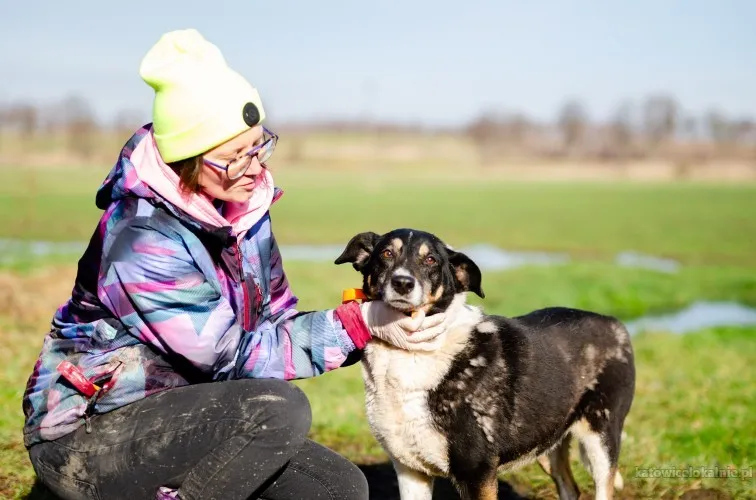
column 387, row 254
column 430, row 260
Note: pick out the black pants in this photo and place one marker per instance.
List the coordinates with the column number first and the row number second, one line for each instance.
column 239, row 439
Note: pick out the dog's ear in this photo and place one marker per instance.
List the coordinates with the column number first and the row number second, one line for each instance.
column 467, row 276
column 358, row 250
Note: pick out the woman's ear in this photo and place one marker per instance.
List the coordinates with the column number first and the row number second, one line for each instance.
column 467, row 276
column 358, row 250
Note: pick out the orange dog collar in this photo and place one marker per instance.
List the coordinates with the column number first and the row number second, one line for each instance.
column 352, row 295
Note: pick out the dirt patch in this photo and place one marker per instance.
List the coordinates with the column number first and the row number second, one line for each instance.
column 29, row 301
column 705, row 494
column 382, row 483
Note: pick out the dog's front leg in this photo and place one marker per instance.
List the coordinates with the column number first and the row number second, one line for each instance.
column 413, row 485
column 484, row 487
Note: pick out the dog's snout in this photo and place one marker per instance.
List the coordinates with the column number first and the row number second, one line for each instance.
column 402, row 284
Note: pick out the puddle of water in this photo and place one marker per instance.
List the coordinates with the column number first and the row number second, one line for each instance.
column 488, row 257
column 634, row 259
column 311, row 253
column 697, row 316
column 12, row 250
column 491, row 258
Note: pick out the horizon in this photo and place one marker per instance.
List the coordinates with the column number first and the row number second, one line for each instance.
column 422, row 63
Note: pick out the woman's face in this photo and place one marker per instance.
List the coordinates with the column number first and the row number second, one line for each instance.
column 215, row 182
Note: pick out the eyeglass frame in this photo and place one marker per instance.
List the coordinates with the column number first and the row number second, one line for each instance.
column 252, row 152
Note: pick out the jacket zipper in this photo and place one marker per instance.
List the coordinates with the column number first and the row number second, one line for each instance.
column 246, row 321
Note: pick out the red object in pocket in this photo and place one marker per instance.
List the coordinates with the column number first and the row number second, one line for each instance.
column 74, row 375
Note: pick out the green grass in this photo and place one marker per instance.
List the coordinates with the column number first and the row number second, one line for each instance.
column 693, row 407
column 694, row 403
column 695, row 393
column 696, row 223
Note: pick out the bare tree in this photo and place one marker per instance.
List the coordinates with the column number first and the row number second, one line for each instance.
column 485, row 134
column 572, row 124
column 660, row 116
column 515, row 128
column 691, row 128
column 127, row 121
column 721, row 131
column 22, row 118
column 3, row 122
column 743, row 131
column 80, row 126
column 28, row 120
column 621, row 131
column 495, row 134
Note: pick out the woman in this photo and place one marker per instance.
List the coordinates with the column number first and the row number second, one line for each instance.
column 165, row 374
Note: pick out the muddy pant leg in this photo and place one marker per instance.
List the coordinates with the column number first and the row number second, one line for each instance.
column 317, row 473
column 217, row 440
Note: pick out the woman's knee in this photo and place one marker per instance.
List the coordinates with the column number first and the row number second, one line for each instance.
column 353, row 483
column 272, row 403
column 319, row 473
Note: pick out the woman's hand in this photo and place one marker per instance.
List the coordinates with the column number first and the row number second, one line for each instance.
column 418, row 333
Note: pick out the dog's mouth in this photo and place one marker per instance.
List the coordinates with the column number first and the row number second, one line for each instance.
column 403, row 305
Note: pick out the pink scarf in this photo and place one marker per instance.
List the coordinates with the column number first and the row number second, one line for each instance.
column 153, row 171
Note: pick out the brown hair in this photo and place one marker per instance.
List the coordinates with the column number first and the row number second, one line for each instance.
column 188, row 171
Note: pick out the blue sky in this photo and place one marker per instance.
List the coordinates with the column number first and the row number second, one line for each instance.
column 432, row 62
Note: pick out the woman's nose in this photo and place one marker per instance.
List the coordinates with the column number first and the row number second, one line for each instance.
column 254, row 168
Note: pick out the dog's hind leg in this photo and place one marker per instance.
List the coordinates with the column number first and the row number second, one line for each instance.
column 598, row 451
column 557, row 465
column 413, row 485
column 619, row 483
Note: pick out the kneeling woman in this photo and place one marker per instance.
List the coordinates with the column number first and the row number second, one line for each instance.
column 165, row 374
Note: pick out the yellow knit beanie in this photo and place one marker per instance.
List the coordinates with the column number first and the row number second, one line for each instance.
column 200, row 102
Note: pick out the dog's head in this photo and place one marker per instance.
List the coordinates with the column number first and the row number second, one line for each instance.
column 411, row 270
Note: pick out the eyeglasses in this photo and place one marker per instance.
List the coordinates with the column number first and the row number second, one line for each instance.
column 239, row 166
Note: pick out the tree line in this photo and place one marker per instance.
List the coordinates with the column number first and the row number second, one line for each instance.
column 657, row 126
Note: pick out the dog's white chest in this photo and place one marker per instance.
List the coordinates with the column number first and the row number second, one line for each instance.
column 396, row 393
column 397, row 383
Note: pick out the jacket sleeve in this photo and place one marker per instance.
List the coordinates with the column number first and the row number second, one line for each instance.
column 291, row 344
column 150, row 282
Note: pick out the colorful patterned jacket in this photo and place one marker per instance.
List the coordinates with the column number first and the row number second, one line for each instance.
column 163, row 299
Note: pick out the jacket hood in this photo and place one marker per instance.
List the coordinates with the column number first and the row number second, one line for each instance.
column 140, row 172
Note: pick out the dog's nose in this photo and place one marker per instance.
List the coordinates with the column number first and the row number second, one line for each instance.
column 402, row 284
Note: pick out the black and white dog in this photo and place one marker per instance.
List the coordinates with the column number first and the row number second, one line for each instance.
column 498, row 392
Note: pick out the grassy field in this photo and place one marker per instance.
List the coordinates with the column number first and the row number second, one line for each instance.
column 695, row 396
column 696, row 223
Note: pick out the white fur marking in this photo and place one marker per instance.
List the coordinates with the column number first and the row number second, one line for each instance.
column 396, row 389
column 619, row 483
column 413, row 485
column 487, row 327
column 521, row 461
column 596, row 455
column 479, row 361
column 487, row 424
column 589, row 351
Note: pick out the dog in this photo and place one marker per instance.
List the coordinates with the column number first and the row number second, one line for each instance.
column 496, row 393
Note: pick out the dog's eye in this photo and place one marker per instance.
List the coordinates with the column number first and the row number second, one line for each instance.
column 430, row 260
column 387, row 254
